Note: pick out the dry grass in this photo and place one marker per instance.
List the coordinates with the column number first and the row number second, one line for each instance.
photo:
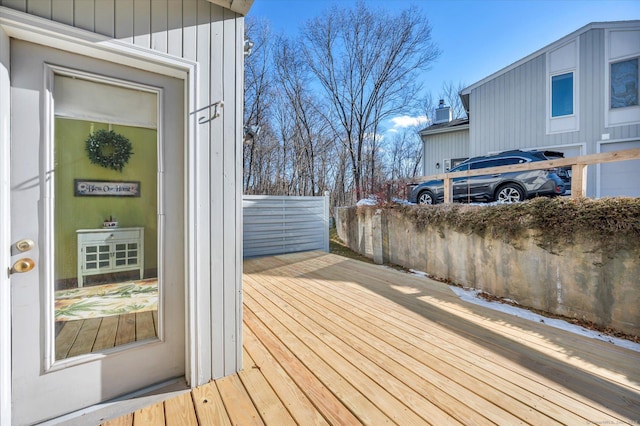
column 336, row 246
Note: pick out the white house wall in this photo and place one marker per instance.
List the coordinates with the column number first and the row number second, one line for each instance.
column 443, row 146
column 212, row 36
column 510, row 110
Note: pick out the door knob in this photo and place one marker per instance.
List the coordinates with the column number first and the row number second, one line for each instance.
column 23, row 265
column 21, row 246
column 25, row 245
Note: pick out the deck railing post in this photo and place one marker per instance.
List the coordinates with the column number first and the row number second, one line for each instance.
column 448, row 196
column 578, row 180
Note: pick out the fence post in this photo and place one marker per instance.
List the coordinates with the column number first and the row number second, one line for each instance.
column 377, row 239
column 448, row 195
column 578, row 180
column 327, row 219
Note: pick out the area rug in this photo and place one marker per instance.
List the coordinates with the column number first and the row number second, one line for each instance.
column 106, row 300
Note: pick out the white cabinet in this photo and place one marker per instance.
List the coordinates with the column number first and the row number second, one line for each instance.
column 102, row 251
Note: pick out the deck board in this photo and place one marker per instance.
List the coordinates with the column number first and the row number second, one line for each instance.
column 238, row 402
column 329, row 340
column 106, row 337
column 270, row 407
column 411, row 343
column 86, row 337
column 78, row 337
column 152, row 415
column 209, row 407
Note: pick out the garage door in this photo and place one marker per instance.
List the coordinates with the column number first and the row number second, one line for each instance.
column 568, row 151
column 620, row 178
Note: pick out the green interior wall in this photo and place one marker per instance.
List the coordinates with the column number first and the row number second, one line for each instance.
column 72, row 212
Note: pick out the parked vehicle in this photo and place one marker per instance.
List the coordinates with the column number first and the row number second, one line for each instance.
column 563, row 173
column 505, row 187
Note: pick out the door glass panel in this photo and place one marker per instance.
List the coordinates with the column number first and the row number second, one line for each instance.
column 105, row 219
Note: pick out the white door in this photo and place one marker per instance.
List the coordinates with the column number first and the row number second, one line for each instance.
column 99, row 312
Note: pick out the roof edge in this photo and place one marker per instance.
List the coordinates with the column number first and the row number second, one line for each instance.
column 458, row 128
column 551, row 46
column 239, row 6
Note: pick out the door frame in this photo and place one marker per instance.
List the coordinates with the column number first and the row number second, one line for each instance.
column 19, row 25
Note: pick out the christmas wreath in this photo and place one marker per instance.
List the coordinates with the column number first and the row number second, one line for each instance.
column 108, row 149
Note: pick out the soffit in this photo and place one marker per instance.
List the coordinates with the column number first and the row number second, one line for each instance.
column 238, row 6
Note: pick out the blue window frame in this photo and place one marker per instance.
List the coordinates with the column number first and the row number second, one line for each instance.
column 562, row 95
column 624, row 83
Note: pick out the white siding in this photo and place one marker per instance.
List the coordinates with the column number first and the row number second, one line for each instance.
column 278, row 224
column 509, row 110
column 213, row 36
column 443, row 146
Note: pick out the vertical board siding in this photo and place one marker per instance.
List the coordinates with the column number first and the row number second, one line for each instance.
column 84, row 15
column 62, row 11
column 159, row 25
column 124, row 20
column 41, row 9
column 444, row 146
column 276, row 225
column 200, row 31
column 142, row 23
column 174, row 24
column 231, row 187
column 509, row 111
column 105, row 17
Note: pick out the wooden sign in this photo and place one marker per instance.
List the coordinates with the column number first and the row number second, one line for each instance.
column 104, row 188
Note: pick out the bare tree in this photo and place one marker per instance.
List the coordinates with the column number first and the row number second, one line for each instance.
column 450, row 94
column 257, row 100
column 366, row 61
column 405, row 155
column 308, row 125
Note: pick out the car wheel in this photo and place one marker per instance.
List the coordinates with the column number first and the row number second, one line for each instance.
column 426, row 197
column 510, row 193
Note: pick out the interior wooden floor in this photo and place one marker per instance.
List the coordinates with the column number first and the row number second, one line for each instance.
column 328, row 340
column 80, row 337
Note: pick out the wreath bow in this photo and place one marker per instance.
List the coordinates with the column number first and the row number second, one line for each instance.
column 108, row 149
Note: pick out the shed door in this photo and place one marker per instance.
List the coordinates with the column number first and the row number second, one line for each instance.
column 97, row 231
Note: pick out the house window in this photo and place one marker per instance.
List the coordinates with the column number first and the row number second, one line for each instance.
column 624, row 83
column 562, row 95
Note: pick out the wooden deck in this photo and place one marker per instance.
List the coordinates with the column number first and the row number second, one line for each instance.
column 328, row 340
column 79, row 337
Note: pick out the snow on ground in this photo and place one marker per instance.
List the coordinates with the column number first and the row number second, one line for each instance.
column 367, row 202
column 472, row 296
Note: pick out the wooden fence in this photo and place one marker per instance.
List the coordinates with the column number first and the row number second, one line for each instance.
column 578, row 170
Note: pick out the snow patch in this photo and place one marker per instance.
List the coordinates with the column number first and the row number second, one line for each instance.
column 472, row 296
column 367, row 202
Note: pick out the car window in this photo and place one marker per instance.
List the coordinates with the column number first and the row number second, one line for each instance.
column 496, row 162
column 512, row 160
column 538, row 155
column 460, row 168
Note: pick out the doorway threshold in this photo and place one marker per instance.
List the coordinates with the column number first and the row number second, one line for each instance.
column 99, row 413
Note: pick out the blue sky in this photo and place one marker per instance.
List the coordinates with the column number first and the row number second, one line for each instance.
column 477, row 37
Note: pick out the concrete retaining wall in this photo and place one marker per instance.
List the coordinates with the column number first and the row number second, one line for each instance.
column 579, row 282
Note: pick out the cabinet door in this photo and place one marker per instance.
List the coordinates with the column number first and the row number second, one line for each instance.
column 126, row 254
column 97, row 257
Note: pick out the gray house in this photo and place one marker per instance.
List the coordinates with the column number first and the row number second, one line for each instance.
column 120, row 201
column 578, row 95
